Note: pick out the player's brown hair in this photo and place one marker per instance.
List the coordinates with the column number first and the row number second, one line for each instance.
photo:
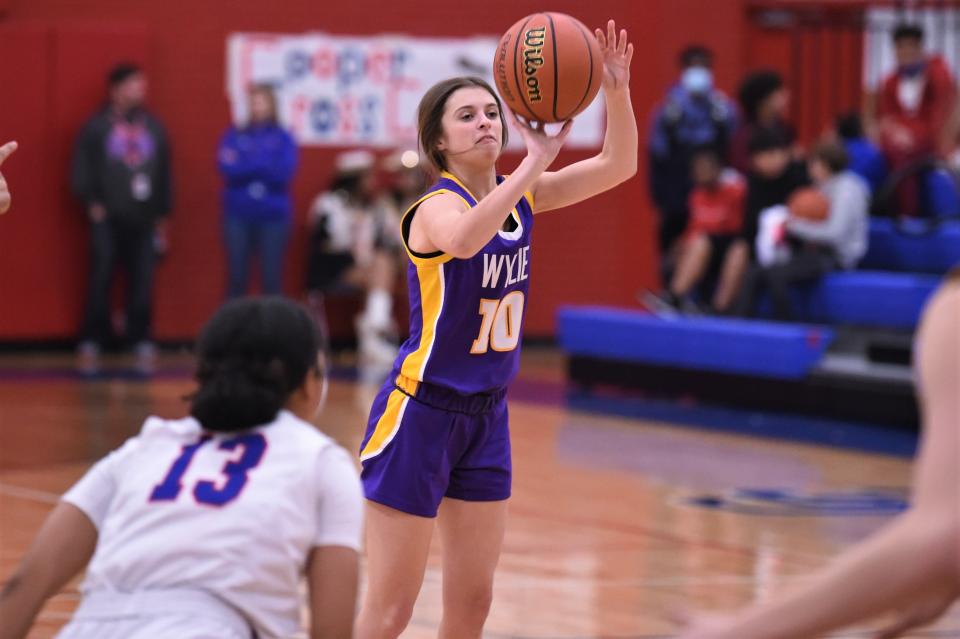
column 430, row 115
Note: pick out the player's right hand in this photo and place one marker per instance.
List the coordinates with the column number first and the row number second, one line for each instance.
column 5, row 151
column 541, row 147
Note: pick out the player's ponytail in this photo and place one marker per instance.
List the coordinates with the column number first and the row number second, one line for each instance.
column 251, row 356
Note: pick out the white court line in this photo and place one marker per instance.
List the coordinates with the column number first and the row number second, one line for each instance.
column 29, row 494
column 433, row 578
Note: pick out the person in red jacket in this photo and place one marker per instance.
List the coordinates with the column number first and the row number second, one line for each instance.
column 913, row 106
column 712, row 247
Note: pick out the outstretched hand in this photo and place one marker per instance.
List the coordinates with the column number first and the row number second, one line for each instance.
column 617, row 54
column 5, row 151
column 541, row 146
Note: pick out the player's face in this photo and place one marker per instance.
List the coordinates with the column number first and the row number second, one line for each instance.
column 471, row 125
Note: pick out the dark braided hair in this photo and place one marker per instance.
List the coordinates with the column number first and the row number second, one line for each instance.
column 251, row 356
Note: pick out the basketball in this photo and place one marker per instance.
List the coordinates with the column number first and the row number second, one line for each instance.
column 809, row 204
column 548, row 67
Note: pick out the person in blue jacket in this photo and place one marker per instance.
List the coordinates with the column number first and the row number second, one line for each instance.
column 258, row 162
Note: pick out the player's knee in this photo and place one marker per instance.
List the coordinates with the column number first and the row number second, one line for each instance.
column 394, row 617
column 474, row 604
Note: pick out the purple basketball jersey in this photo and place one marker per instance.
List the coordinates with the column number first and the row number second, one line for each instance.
column 466, row 315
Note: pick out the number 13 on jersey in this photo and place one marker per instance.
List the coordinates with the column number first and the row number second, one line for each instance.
column 500, row 328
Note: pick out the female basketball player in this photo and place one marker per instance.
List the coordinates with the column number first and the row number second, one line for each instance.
column 5, row 152
column 202, row 527
column 911, row 567
column 437, row 439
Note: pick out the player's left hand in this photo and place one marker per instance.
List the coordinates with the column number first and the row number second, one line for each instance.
column 5, row 152
column 617, row 54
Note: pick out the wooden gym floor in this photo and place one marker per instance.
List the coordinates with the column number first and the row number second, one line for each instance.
column 616, row 524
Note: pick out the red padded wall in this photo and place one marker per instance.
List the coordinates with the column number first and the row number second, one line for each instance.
column 601, row 251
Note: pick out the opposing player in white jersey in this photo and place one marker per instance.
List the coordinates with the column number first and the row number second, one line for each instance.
column 204, row 526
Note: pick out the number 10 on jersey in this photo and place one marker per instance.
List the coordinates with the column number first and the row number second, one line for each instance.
column 500, row 328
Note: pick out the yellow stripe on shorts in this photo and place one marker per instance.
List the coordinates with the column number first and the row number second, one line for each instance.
column 387, row 425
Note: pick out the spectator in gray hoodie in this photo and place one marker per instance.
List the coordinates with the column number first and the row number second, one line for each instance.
column 838, row 241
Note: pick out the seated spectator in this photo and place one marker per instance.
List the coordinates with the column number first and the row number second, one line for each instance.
column 774, row 176
column 712, row 248
column 817, row 246
column 913, row 108
column 866, row 159
column 765, row 103
column 355, row 245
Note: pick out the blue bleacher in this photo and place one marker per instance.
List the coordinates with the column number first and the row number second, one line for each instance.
column 868, row 298
column 763, row 349
column 912, row 249
column 900, row 273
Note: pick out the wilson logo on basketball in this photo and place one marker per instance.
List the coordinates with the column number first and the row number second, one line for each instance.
column 501, row 73
column 547, row 67
column 532, row 61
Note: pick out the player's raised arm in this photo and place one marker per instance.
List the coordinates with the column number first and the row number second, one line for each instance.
column 617, row 161
column 465, row 137
column 62, row 548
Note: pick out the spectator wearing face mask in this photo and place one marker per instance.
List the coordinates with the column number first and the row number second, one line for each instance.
column 912, row 110
column 693, row 115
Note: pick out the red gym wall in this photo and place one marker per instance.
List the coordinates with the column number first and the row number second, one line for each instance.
column 55, row 54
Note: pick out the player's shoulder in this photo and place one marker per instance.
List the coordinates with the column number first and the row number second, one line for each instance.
column 159, row 428
column 440, row 199
column 299, row 433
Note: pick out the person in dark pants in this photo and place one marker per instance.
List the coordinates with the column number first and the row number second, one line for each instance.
column 818, row 246
column 121, row 173
column 693, row 114
column 257, row 162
